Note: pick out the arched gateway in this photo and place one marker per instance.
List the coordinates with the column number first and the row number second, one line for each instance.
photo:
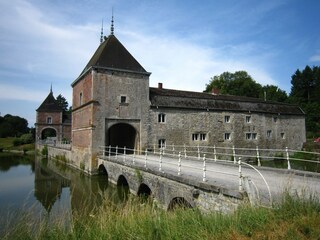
column 122, row 135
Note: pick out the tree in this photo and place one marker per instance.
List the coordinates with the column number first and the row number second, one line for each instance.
column 63, row 103
column 273, row 93
column 239, row 83
column 305, row 91
column 13, row 126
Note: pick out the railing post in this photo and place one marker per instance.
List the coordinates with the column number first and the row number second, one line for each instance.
column 258, row 156
column 133, row 156
column 198, row 152
column 116, row 152
column 154, row 148
column 234, row 155
column 145, row 159
column 240, row 175
column 160, row 161
column 185, row 151
column 103, row 152
column 215, row 153
column 288, row 158
column 173, row 151
column 109, row 151
column 179, row 164
column 204, row 169
column 124, row 154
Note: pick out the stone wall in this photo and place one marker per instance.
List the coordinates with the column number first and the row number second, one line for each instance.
column 271, row 131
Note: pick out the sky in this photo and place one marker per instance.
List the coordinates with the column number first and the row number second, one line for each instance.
column 182, row 43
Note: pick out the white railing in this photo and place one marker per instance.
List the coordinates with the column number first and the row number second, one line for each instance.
column 176, row 161
column 172, row 159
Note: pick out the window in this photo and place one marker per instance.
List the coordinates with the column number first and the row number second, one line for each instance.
column 203, row 137
column 251, row 136
column 80, row 98
column 162, row 143
column 123, row 99
column 254, row 136
column 283, row 136
column 227, row 136
column 199, row 137
column 49, row 120
column 248, row 136
column 269, row 132
column 161, row 118
column 226, row 119
column 195, row 136
column 248, row 119
column 275, row 119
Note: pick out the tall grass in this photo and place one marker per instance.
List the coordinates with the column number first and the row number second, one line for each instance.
column 293, row 218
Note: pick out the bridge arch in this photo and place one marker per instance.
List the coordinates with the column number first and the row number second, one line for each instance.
column 102, row 170
column 122, row 135
column 103, row 182
column 123, row 188
column 178, row 202
column 144, row 191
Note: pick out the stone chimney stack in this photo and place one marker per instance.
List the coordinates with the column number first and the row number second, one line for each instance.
column 160, row 85
column 215, row 91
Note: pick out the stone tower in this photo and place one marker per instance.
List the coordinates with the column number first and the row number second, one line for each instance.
column 110, row 104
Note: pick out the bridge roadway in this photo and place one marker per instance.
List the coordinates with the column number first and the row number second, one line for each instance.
column 226, row 175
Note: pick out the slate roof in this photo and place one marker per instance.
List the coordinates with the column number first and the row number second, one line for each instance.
column 168, row 98
column 112, row 54
column 50, row 104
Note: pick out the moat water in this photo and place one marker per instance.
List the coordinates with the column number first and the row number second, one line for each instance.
column 48, row 189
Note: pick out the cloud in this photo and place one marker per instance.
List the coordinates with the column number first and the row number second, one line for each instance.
column 8, row 91
column 315, row 58
column 184, row 65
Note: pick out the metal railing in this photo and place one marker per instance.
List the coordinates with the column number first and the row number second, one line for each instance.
column 181, row 163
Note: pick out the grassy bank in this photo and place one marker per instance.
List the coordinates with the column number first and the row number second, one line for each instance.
column 7, row 144
column 294, row 218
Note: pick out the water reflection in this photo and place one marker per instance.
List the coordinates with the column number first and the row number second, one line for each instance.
column 51, row 188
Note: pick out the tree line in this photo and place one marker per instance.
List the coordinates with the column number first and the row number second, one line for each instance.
column 305, row 91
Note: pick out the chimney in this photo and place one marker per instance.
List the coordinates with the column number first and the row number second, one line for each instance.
column 160, row 85
column 215, row 91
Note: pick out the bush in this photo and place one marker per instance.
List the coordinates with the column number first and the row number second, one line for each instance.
column 27, row 138
column 45, row 151
column 17, row 142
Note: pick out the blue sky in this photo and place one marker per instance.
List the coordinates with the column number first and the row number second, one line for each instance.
column 183, row 43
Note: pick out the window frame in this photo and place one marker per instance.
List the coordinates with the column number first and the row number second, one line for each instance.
column 227, row 136
column 162, row 143
column 162, row 118
column 49, row 120
column 227, row 119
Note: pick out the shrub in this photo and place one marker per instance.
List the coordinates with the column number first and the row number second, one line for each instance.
column 17, row 142
column 27, row 138
column 45, row 151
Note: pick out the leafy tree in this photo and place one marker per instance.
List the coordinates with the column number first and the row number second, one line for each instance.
column 13, row 126
column 273, row 93
column 239, row 83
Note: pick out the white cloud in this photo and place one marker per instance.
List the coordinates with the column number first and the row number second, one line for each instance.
column 8, row 91
column 315, row 58
column 183, row 65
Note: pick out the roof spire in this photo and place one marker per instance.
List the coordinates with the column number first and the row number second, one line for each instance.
column 112, row 27
column 101, row 36
column 51, row 88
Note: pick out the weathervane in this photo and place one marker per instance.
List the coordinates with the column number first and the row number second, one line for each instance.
column 112, row 27
column 101, row 37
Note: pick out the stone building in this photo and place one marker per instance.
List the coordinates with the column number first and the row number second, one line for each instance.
column 114, row 105
column 52, row 122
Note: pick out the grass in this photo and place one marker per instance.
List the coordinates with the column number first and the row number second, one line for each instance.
column 7, row 144
column 293, row 218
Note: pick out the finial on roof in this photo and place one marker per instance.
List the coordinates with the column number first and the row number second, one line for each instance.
column 51, row 88
column 112, row 27
column 101, row 36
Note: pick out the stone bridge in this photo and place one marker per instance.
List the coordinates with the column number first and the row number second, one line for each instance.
column 167, row 188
